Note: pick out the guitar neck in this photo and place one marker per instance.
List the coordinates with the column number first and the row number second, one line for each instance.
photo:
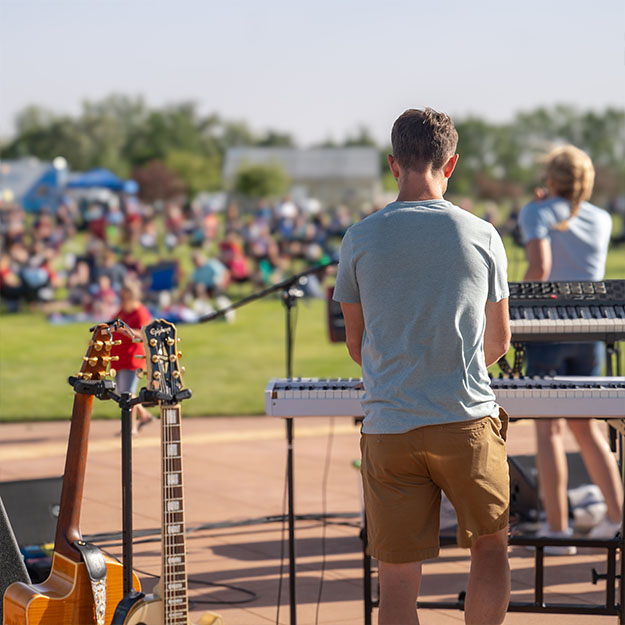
column 68, row 524
column 174, row 579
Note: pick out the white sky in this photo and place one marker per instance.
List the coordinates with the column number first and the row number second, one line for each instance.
column 315, row 69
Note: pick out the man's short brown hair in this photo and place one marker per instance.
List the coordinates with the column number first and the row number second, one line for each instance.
column 423, row 137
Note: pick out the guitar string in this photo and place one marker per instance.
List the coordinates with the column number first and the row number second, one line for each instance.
column 173, row 492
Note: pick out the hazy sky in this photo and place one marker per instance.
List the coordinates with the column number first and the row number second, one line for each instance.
column 315, row 69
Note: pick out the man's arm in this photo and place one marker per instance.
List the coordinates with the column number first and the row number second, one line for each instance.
column 354, row 329
column 497, row 332
column 538, row 252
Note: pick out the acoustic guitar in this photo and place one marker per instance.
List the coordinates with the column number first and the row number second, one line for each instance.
column 169, row 604
column 75, row 593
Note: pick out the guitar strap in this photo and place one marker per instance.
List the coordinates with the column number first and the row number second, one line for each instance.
column 96, row 570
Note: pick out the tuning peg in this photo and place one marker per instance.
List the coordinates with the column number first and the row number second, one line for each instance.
column 118, row 342
column 155, row 358
column 110, row 358
column 140, row 356
column 157, row 375
column 179, row 354
column 153, row 342
column 112, row 372
column 182, row 369
column 92, row 360
column 176, row 374
column 137, row 340
column 97, row 345
column 170, row 341
column 85, row 376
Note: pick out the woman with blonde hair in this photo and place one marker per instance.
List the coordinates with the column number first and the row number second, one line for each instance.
column 566, row 239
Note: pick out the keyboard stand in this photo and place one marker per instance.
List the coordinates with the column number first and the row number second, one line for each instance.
column 611, row 607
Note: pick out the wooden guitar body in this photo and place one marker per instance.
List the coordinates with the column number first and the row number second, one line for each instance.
column 65, row 598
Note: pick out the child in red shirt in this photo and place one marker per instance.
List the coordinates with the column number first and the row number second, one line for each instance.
column 136, row 315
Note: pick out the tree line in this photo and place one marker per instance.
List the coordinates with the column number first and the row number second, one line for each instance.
column 176, row 149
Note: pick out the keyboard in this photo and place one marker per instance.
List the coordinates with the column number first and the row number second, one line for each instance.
column 567, row 311
column 520, row 397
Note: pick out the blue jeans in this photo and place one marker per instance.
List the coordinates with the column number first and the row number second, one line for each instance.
column 126, row 381
column 548, row 359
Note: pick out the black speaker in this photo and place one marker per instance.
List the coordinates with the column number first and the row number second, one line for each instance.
column 336, row 323
column 33, row 508
column 524, row 499
column 524, row 488
column 12, row 568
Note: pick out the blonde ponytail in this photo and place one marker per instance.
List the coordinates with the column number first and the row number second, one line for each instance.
column 570, row 175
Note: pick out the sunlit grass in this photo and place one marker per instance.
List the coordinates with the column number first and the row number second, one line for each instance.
column 227, row 365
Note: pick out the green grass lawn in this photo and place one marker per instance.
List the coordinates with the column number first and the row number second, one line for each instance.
column 227, row 365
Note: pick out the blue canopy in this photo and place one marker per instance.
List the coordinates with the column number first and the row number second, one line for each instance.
column 102, row 178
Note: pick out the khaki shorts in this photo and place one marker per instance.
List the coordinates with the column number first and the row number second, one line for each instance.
column 403, row 475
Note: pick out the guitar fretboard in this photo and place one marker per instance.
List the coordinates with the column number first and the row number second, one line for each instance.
column 174, row 580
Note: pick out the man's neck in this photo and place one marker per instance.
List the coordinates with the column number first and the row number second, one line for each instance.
column 406, row 196
column 417, row 188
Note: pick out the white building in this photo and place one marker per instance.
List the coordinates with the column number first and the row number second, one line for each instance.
column 334, row 176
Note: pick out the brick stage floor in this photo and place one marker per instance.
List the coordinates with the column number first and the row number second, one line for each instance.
column 234, row 475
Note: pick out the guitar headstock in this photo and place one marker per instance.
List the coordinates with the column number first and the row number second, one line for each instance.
column 163, row 370
column 96, row 362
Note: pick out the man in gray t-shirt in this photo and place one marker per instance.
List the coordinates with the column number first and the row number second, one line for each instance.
column 423, row 289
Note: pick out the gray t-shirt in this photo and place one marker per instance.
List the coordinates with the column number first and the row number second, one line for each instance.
column 580, row 251
column 422, row 272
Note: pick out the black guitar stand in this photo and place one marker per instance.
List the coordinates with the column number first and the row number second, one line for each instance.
column 126, row 402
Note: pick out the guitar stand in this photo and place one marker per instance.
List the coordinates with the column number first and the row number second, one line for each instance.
column 126, row 402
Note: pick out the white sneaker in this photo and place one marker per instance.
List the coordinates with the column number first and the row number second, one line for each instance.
column 587, row 517
column 557, row 550
column 605, row 529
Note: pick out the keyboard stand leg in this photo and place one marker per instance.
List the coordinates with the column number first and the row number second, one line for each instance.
column 291, row 517
column 621, row 616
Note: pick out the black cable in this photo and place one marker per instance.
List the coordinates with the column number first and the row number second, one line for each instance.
column 191, row 580
column 265, row 520
column 324, row 525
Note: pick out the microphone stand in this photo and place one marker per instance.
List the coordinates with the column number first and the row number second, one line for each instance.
column 291, row 292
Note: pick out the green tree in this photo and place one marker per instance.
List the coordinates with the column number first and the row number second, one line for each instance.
column 276, row 139
column 361, row 138
column 196, row 171
column 257, row 181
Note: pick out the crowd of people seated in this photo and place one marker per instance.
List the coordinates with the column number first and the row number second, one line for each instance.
column 73, row 262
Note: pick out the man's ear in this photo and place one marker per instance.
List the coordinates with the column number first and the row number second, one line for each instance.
column 450, row 166
column 393, row 164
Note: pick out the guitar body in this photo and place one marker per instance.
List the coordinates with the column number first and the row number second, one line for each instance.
column 149, row 611
column 65, row 598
